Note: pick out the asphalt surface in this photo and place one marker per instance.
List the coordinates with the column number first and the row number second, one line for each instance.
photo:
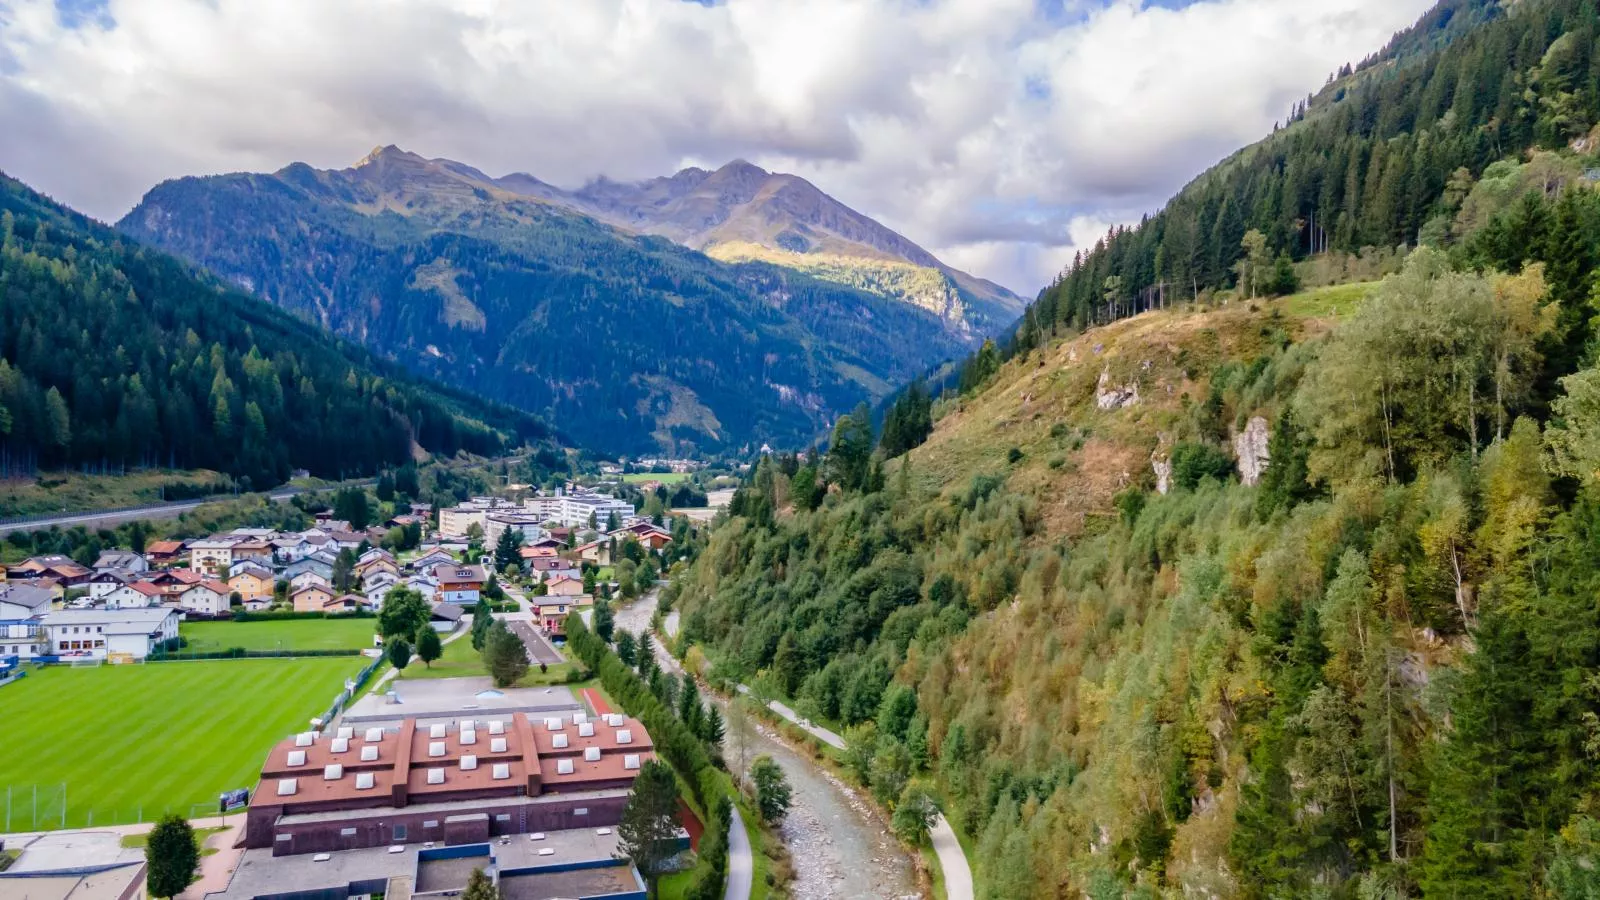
column 540, row 650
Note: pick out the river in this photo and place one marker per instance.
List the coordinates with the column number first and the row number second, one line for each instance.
column 839, row 847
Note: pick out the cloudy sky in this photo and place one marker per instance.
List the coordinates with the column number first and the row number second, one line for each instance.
column 1000, row 134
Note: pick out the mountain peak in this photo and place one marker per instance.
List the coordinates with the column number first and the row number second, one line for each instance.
column 741, row 167
column 387, row 153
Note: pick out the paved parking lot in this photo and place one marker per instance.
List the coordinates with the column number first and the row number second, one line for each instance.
column 540, row 650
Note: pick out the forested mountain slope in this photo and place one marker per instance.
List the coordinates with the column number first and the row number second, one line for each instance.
column 1386, row 155
column 627, row 343
column 1248, row 596
column 115, row 355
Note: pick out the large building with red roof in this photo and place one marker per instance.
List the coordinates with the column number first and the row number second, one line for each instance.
column 456, row 781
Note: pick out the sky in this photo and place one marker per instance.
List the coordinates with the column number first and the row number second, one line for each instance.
column 1002, row 135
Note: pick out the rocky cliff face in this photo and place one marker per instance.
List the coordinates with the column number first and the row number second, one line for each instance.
column 1250, row 447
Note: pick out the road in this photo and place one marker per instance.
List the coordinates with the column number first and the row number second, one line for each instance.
column 741, row 864
column 103, row 518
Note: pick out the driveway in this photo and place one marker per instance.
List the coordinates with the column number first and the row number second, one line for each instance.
column 540, row 650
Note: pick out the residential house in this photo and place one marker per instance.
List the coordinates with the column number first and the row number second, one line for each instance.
column 564, row 586
column 314, row 564
column 22, row 611
column 426, row 585
column 23, row 601
column 165, row 553
column 597, row 552
column 460, row 584
column 432, row 558
column 309, row 579
column 529, row 554
column 446, row 617
column 209, row 597
column 549, row 568
column 375, row 561
column 175, row 581
column 121, row 560
column 213, row 555
column 255, row 549
column 311, row 598
column 377, row 593
column 378, row 578
column 135, row 595
column 347, row 603
column 251, row 581
column 64, row 570
column 347, row 540
column 101, row 632
column 422, row 510
column 104, row 582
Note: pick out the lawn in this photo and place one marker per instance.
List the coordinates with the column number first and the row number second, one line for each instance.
column 127, row 743
column 663, row 477
column 461, row 661
column 290, row 634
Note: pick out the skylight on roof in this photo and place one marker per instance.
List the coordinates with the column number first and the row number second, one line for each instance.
column 586, row 729
column 347, row 732
column 578, row 718
column 591, row 754
column 563, row 767
column 436, row 748
column 631, row 761
column 469, row 737
column 625, row 736
column 332, row 772
column 364, row 781
column 339, row 745
column 374, row 735
column 436, row 731
column 502, row 771
column 559, row 741
column 369, row 754
column 554, row 724
column 497, row 727
column 304, row 739
column 497, row 745
column 436, row 776
column 297, row 757
column 469, row 762
column 286, row 787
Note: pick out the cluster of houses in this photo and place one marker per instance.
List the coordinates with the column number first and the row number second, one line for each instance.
column 131, row 602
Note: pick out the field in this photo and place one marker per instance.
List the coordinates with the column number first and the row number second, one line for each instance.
column 127, row 743
column 663, row 477
column 53, row 492
column 461, row 661
column 293, row 634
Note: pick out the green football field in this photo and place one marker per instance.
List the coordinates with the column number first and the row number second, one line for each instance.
column 127, row 743
column 291, row 634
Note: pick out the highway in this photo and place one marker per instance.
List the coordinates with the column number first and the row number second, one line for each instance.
column 106, row 518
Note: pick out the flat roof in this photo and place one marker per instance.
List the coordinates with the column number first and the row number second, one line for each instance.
column 450, row 699
column 260, row 873
column 596, row 882
column 108, row 885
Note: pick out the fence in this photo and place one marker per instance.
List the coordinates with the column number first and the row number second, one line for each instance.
column 352, row 688
column 241, row 653
column 50, row 807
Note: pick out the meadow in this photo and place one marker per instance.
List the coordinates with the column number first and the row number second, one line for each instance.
column 291, row 634
column 128, row 743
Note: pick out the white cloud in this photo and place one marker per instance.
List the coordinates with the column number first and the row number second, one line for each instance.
column 990, row 131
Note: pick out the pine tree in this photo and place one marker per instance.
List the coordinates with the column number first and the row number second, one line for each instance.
column 504, row 655
column 429, row 647
column 649, row 822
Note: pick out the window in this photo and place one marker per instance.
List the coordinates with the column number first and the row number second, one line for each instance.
column 399, row 833
column 431, row 823
column 503, row 817
column 347, row 832
column 581, row 811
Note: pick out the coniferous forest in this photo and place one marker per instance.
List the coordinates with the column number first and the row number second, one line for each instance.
column 1279, row 583
column 116, row 356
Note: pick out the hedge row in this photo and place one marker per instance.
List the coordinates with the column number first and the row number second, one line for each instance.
column 674, row 742
column 240, row 615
